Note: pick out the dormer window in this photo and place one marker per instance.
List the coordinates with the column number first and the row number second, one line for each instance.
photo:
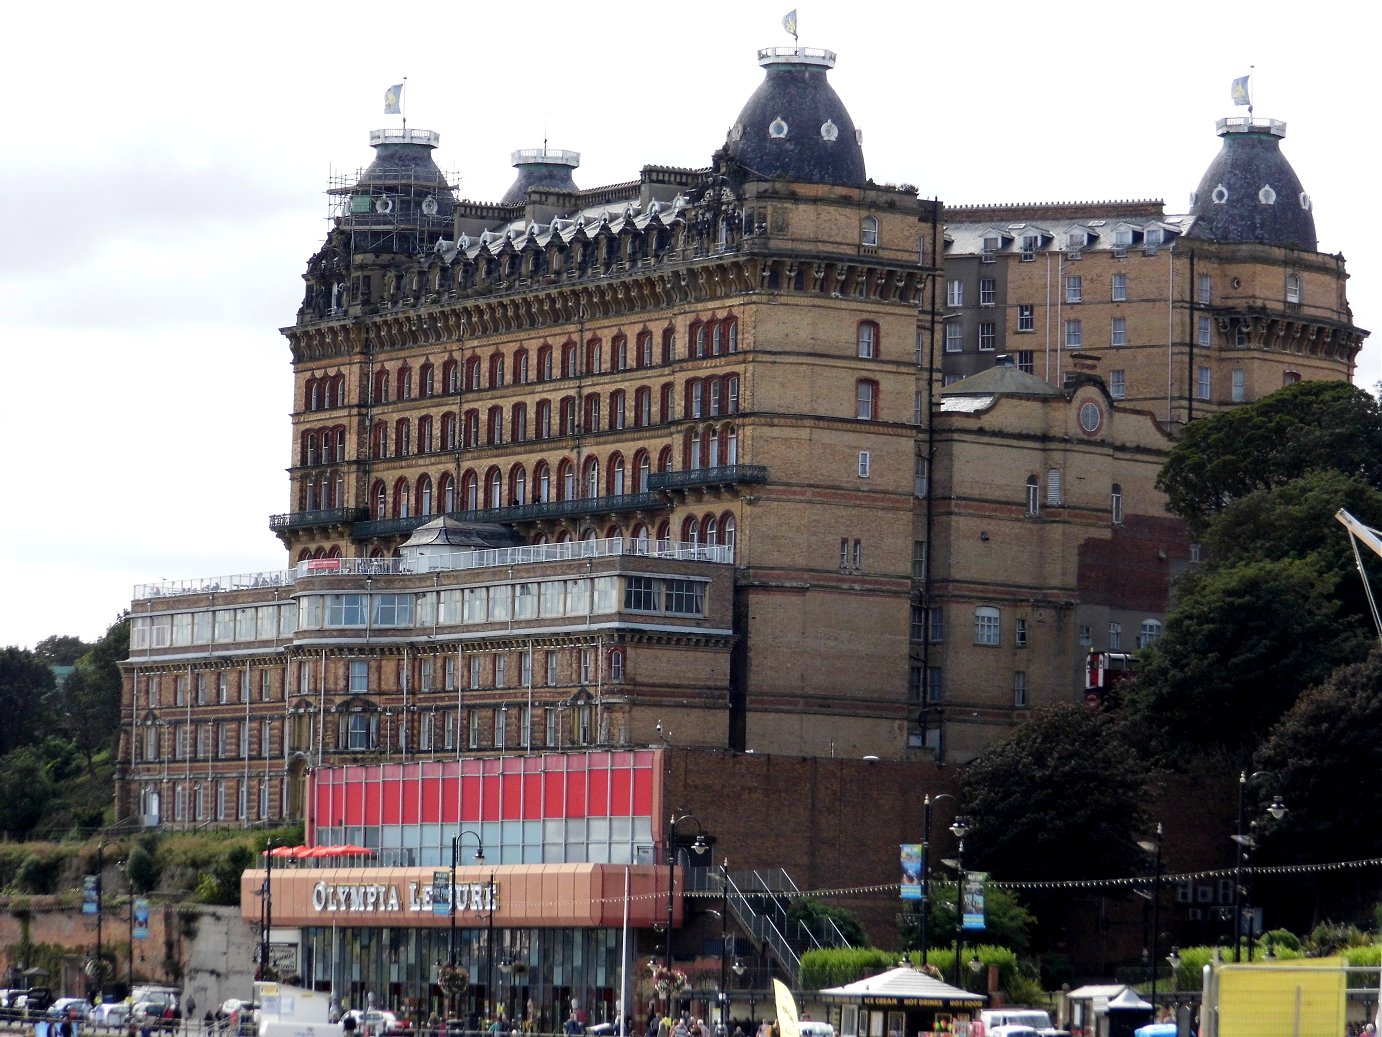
column 1154, row 236
column 1031, row 242
column 992, row 243
column 1122, row 237
column 1076, row 239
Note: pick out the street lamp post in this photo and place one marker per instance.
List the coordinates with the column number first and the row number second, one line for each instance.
column 1154, row 847
column 959, row 829
column 1246, row 842
column 455, row 854
column 724, row 943
column 699, row 846
column 926, row 875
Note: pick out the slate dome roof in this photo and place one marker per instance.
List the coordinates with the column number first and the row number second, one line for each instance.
column 795, row 126
column 403, row 161
column 541, row 167
column 1250, row 193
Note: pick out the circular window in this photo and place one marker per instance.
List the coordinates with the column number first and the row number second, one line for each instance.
column 383, row 204
column 1091, row 417
column 829, row 131
column 1266, row 196
column 429, row 206
column 1305, row 201
column 1220, row 195
column 777, row 129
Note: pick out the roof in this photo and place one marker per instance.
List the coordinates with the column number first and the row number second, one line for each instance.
column 1098, row 990
column 999, row 380
column 902, row 983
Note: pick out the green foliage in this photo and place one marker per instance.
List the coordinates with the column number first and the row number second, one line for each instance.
column 1332, row 937
column 89, row 700
column 26, row 687
column 25, row 789
column 837, row 966
column 60, row 649
column 141, row 865
column 1281, row 939
column 220, row 884
column 1309, row 426
column 1061, row 798
column 1006, row 922
column 1012, row 976
column 1242, row 643
column 39, row 873
column 1314, row 755
column 813, row 914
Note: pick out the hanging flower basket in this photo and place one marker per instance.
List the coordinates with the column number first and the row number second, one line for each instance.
column 453, row 979
column 665, row 980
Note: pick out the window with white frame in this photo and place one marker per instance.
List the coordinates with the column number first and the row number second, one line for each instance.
column 1202, row 383
column 1020, row 632
column 1074, row 288
column 1026, row 316
column 922, row 476
column 918, row 559
column 1074, row 333
column 954, row 292
column 1239, row 385
column 1053, row 487
column 1119, row 332
column 954, row 338
column 988, row 291
column 865, row 459
column 867, row 340
column 1293, row 289
column 359, row 676
column 1019, row 689
column 1118, row 384
column 1204, row 292
column 1116, row 505
column 1033, row 497
column 866, row 400
column 1204, row 331
column 868, row 231
column 1119, row 287
column 1149, row 633
column 987, row 625
column 1115, row 636
column 988, row 336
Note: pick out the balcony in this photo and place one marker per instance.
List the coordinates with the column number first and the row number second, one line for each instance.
column 319, row 517
column 723, row 476
column 544, row 511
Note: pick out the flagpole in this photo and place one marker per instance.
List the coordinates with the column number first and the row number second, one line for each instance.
column 403, row 108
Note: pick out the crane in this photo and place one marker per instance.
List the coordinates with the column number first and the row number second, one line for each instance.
column 1358, row 531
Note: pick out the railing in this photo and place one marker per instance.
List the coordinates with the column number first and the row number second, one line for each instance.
column 724, row 475
column 527, row 554
column 214, row 584
column 317, row 517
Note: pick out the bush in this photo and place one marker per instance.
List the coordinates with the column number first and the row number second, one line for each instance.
column 38, row 874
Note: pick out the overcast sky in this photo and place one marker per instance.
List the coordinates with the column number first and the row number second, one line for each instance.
column 165, row 166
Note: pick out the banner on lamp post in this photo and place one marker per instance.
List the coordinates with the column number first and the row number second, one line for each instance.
column 972, row 898
column 141, row 920
column 913, row 860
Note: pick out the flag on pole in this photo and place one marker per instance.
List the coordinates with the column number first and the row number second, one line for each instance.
column 393, row 100
column 788, row 1024
column 789, row 22
column 1240, row 91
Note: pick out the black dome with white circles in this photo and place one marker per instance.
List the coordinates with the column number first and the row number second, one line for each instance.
column 795, row 127
column 1250, row 193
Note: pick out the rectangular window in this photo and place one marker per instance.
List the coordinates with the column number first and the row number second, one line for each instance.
column 1074, row 334
column 1020, row 634
column 922, row 481
column 1239, row 385
column 988, row 291
column 986, row 626
column 1204, row 293
column 1026, row 361
column 475, row 671
column 640, row 594
column 954, row 293
column 988, row 336
column 1086, row 635
column 1115, row 637
column 1026, row 316
column 1202, row 383
column 918, row 631
column 1204, row 328
column 359, row 676
column 954, row 338
column 935, row 684
column 918, row 559
column 1019, row 689
column 683, row 597
column 1118, row 384
column 1119, row 285
column 1119, row 336
column 864, row 461
column 551, row 669
column 1074, row 288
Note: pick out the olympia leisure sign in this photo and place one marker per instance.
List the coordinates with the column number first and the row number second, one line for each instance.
column 417, row 897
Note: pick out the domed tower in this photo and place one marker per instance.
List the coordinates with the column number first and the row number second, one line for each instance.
column 542, row 167
column 1250, row 193
column 795, row 127
column 401, row 203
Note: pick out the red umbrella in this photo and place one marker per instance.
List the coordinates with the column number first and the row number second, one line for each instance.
column 314, row 852
column 286, row 851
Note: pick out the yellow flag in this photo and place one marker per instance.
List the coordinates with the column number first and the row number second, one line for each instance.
column 787, row 1024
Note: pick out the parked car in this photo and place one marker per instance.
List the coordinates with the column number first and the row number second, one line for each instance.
column 375, row 1023
column 67, row 1008
column 112, row 1015
column 34, row 1000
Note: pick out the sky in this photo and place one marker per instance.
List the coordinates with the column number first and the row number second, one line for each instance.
column 165, row 169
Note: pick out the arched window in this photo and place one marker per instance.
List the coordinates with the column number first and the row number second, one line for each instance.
column 446, row 490
column 639, row 536
column 451, row 383
column 727, row 529
column 690, row 530
column 424, row 435
column 470, row 490
column 1033, row 497
column 642, row 407
column 1116, row 505
column 494, row 430
column 692, row 458
column 1293, row 289
column 712, row 447
column 731, row 326
column 402, row 440
column 717, row 389
column 868, row 231
column 569, row 360
column 1053, row 487
column 867, row 340
column 616, row 665
column 379, row 441
column 519, row 422
column 424, row 495
column 309, row 448
column 566, row 480
column 542, row 483
column 616, row 409
column 427, row 380
column 1149, row 633
column 404, row 383
column 664, row 403
column 567, row 421
column 381, row 385
column 700, row 340
column 987, row 626
column 643, row 349
column 710, row 531
column 472, row 373
column 544, row 363
column 732, row 394
column 518, row 485
column 616, row 476
column 496, row 370
column 402, row 499
column 717, row 339
column 619, row 353
column 866, row 399
column 448, row 431
column 470, row 435
column 669, row 345
column 379, row 500
column 520, row 367
column 591, row 480
column 312, row 395
column 594, row 358
column 664, row 459
column 495, row 481
column 642, row 463
column 592, row 413
column 664, row 532
column 730, row 438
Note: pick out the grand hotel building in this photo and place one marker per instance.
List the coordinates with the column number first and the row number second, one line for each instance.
column 757, row 458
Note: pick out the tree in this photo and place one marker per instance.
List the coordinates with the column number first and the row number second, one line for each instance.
column 813, row 914
column 61, row 649
column 25, row 790
column 1006, row 922
column 1061, row 798
column 26, row 684
column 89, row 700
column 1241, row 644
column 1305, row 427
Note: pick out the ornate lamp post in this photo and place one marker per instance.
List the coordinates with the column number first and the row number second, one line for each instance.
column 959, row 829
column 1246, row 842
column 1154, row 847
column 451, row 977
column 699, row 846
column 926, row 875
